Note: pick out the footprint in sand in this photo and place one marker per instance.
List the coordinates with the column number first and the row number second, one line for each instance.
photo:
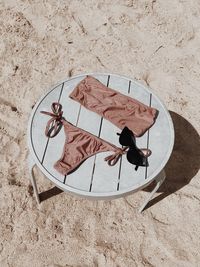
column 12, row 150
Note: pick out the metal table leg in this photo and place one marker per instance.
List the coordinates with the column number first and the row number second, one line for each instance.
column 31, row 165
column 159, row 180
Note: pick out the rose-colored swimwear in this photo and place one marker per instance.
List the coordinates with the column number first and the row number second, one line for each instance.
column 119, row 109
column 79, row 144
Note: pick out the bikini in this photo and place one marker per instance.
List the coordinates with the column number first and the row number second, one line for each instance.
column 79, row 144
column 119, row 109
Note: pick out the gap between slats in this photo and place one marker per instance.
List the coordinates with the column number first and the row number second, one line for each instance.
column 100, row 127
column 51, row 125
column 58, row 142
column 79, row 111
column 128, row 176
column 148, row 136
column 106, row 177
column 43, row 156
column 90, row 122
column 121, row 159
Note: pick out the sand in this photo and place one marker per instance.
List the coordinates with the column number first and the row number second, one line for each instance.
column 155, row 42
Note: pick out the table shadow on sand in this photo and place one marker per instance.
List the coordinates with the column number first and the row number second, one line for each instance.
column 184, row 162
column 182, row 166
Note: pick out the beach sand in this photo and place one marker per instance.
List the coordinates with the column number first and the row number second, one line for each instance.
column 155, row 42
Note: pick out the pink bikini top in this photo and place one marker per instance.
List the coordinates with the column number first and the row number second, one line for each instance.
column 119, row 109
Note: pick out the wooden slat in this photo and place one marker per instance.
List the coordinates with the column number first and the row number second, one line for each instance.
column 129, row 177
column 90, row 122
column 55, row 145
column 39, row 140
column 105, row 177
column 159, row 138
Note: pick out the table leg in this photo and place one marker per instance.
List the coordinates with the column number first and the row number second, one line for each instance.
column 31, row 164
column 159, row 180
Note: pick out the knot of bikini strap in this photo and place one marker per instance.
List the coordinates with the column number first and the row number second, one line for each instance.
column 112, row 159
column 55, row 123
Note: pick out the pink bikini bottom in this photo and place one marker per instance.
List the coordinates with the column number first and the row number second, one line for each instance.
column 79, row 144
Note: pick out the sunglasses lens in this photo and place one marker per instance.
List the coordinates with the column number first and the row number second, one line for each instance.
column 134, row 157
column 126, row 137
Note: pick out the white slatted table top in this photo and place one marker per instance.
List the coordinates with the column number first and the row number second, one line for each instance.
column 95, row 178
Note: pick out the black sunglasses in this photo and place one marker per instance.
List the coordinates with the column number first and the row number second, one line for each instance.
column 134, row 155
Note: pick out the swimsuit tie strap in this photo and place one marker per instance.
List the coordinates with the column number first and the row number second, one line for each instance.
column 112, row 159
column 55, row 123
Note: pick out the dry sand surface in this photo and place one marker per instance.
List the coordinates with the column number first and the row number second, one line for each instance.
column 156, row 42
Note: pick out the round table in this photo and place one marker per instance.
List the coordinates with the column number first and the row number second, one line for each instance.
column 94, row 178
